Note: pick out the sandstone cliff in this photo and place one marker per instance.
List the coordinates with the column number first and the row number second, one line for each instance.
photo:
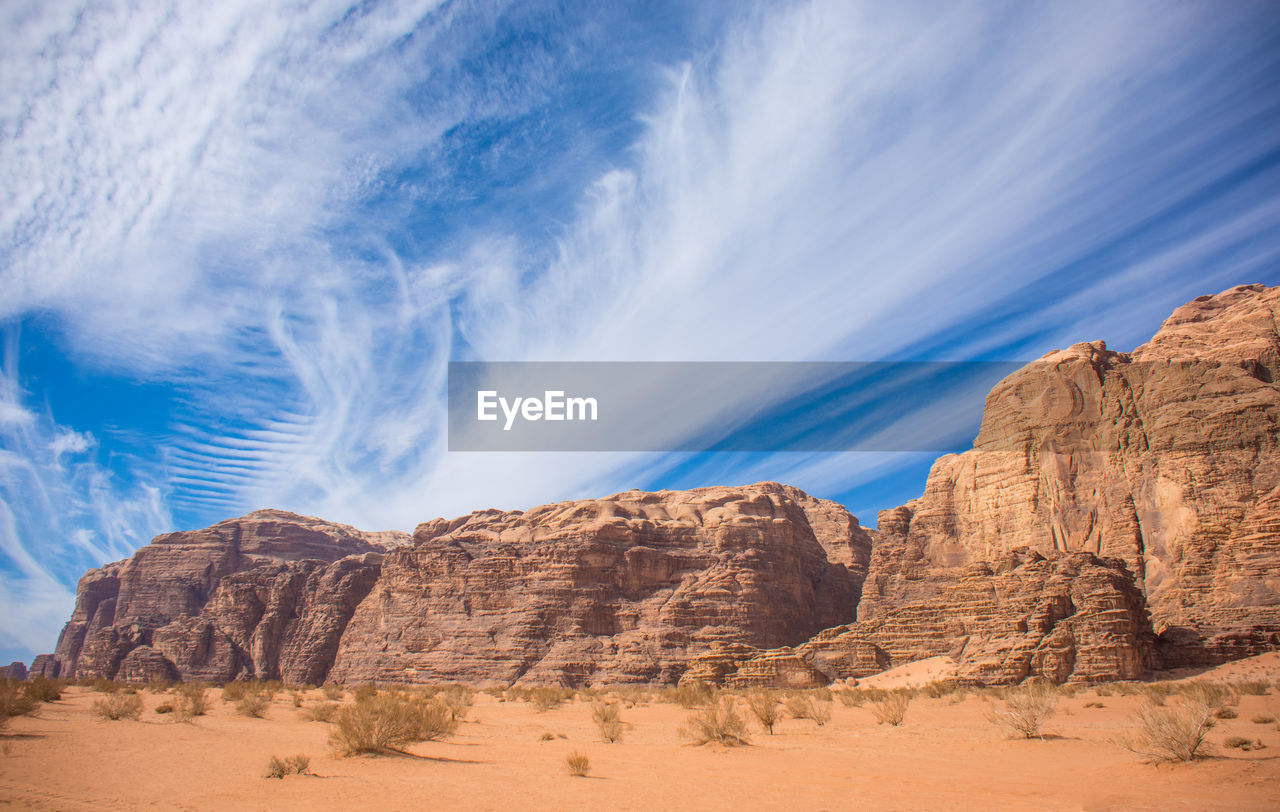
column 626, row 588
column 1165, row 458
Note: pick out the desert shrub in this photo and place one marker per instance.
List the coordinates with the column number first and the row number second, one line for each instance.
column 693, row 694
column 546, row 697
column 458, row 699
column 192, row 701
column 763, row 705
column 1094, row 705
column 892, row 709
column 293, row 765
column 296, row 698
column 1066, row 689
column 321, row 711
column 1158, row 692
column 851, row 697
column 577, row 764
column 332, row 692
column 1103, row 690
column 253, row 705
column 608, row 720
column 547, row 737
column 118, row 706
column 1026, row 710
column 807, row 706
column 16, row 700
column 941, row 688
column 718, row 722
column 386, row 722
column 43, row 689
column 1225, row 713
column 1212, row 695
column 1263, row 719
column 364, row 692
column 1253, row 688
column 159, row 686
column 234, row 691
column 1175, row 733
column 164, row 707
column 1242, row 743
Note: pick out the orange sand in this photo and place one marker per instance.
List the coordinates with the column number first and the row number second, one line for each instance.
column 945, row 756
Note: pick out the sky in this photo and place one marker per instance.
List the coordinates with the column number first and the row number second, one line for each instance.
column 241, row 241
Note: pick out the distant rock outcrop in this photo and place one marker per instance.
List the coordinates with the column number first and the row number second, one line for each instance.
column 15, row 670
column 622, row 589
column 1167, row 458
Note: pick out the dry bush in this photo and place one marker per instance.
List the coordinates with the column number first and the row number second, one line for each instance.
column 321, row 711
column 1253, row 688
column 693, row 694
column 1158, row 692
column 1242, row 743
column 332, row 692
column 159, row 686
column 941, row 688
column 892, row 709
column 253, row 704
column 808, row 706
column 43, row 689
column 1263, row 719
column 1026, row 710
column 293, row 765
column 546, row 697
column 119, row 706
column 296, row 698
column 1213, row 695
column 193, row 701
column 387, row 722
column 719, row 722
column 1176, row 733
column 1094, row 705
column 164, row 707
column 609, row 721
column 763, row 704
column 364, row 692
column 16, row 700
column 458, row 699
column 577, row 764
column 1103, row 690
column 547, row 737
column 1225, row 713
column 234, row 691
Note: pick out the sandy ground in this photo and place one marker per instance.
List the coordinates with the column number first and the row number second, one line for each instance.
column 945, row 756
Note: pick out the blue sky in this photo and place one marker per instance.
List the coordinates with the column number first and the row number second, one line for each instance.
column 239, row 242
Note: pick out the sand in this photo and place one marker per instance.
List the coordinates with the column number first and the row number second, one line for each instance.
column 945, row 756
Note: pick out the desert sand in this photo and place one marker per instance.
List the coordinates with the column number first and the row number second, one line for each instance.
column 946, row 755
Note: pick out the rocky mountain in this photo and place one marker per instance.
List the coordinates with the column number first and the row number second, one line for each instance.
column 621, row 589
column 1117, row 511
column 1165, row 458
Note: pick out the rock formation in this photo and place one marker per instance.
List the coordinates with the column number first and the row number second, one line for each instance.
column 1165, row 458
column 622, row 589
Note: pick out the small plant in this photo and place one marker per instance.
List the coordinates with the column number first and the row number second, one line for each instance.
column 1263, row 719
column 321, row 711
column 332, row 692
column 809, row 707
column 1171, row 733
column 104, row 686
column 577, row 764
column 608, row 720
column 364, row 692
column 16, row 700
column 693, row 694
column 159, row 686
column 458, row 699
column 1225, row 713
column 547, row 737
column 293, row 765
column 1253, row 688
column 1094, row 705
column 193, row 701
column 164, row 707
column 892, row 709
column 941, row 688
column 253, row 704
column 1242, row 743
column 386, row 722
column 43, row 689
column 296, row 698
column 1212, row 695
column 719, row 722
column 763, row 704
column 1158, row 692
column 1026, row 710
column 119, row 706
column 1103, row 690
column 851, row 697
column 546, row 697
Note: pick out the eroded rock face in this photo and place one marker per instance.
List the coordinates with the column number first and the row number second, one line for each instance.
column 1069, row 617
column 627, row 588
column 266, row 595
column 1165, row 458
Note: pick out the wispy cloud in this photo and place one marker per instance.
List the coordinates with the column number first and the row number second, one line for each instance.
column 293, row 215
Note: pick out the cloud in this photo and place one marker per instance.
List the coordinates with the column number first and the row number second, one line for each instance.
column 294, row 215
